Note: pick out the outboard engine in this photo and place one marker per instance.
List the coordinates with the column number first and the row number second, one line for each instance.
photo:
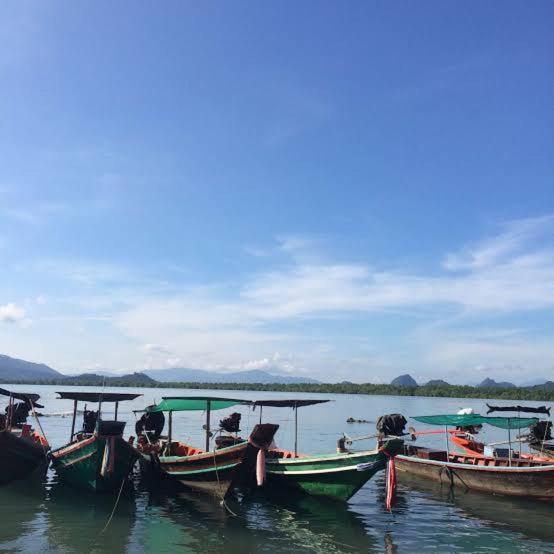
column 151, row 423
column 18, row 413
column 89, row 421
column 231, row 424
column 541, row 431
column 391, row 425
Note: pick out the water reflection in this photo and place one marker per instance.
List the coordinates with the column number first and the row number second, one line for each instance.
column 311, row 524
column 530, row 518
column 21, row 513
column 77, row 520
column 52, row 518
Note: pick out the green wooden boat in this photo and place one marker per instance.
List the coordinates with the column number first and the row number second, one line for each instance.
column 214, row 470
column 97, row 458
column 337, row 476
column 332, row 475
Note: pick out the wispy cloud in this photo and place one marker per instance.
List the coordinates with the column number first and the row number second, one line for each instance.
column 515, row 236
column 283, row 308
column 11, row 313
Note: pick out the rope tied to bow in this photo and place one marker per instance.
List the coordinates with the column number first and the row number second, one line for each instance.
column 390, row 481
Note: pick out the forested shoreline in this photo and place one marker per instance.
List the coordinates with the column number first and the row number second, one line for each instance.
column 538, row 393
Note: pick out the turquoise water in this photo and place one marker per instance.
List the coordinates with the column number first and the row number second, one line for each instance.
column 49, row 517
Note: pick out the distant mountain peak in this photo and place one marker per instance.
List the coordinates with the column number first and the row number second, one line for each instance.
column 18, row 370
column 491, row 383
column 437, row 383
column 405, row 380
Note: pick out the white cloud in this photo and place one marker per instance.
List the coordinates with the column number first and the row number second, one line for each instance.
column 154, row 349
column 11, row 313
column 291, row 308
column 491, row 251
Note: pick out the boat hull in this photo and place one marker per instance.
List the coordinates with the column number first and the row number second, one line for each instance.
column 214, row 472
column 19, row 457
column 526, row 482
column 334, row 476
column 210, row 472
column 80, row 464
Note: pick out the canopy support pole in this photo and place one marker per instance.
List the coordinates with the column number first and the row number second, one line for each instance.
column 447, row 443
column 208, row 413
column 295, row 430
column 73, row 420
column 10, row 413
column 519, row 436
column 36, row 418
column 261, row 411
column 116, row 408
column 510, row 444
column 169, row 433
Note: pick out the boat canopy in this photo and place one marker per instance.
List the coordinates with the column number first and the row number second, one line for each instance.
column 523, row 409
column 194, row 403
column 23, row 396
column 97, row 396
column 292, row 403
column 467, row 420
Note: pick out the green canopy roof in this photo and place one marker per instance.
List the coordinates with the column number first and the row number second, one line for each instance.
column 194, row 403
column 467, row 420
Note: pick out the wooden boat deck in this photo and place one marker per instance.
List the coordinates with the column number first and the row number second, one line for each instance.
column 472, row 460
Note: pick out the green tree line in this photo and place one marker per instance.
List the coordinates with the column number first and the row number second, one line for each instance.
column 539, row 393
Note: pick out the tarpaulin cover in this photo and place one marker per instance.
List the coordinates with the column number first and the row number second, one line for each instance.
column 466, row 420
column 194, row 403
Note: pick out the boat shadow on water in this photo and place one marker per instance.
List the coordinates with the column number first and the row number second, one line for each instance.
column 82, row 521
column 500, row 512
column 257, row 522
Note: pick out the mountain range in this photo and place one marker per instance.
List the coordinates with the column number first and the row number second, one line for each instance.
column 407, row 380
column 13, row 369
column 187, row 375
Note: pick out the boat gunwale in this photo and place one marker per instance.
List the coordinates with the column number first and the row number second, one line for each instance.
column 204, row 470
column 194, row 457
column 321, row 457
column 313, row 471
column 71, row 447
column 494, row 469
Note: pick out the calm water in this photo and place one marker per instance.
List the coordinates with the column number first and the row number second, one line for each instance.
column 50, row 517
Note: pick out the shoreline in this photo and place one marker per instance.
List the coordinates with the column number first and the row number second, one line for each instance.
column 538, row 394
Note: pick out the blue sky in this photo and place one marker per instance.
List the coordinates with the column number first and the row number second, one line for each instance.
column 342, row 192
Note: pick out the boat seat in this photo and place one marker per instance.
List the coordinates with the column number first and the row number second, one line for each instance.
column 283, row 454
column 181, row 449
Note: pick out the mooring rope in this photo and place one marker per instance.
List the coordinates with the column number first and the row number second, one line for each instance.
column 223, row 502
column 115, row 506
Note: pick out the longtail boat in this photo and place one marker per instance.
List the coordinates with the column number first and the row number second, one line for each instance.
column 538, row 438
column 511, row 475
column 212, row 470
column 22, row 449
column 337, row 476
column 97, row 457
